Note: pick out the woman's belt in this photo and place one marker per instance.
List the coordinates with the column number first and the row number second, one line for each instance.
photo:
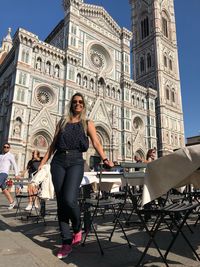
column 68, row 152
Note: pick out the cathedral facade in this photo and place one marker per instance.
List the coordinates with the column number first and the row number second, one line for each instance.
column 89, row 52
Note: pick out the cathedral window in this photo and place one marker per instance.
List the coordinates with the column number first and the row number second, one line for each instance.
column 108, row 90
column 133, row 100
column 78, row 79
column 25, row 56
column 141, row 64
column 73, row 41
column 22, row 78
column 148, row 60
column 38, row 63
column 170, row 64
column 85, row 82
column 113, row 92
column 145, row 27
column 71, row 73
column 138, row 102
column 48, row 67
column 138, row 123
column 143, row 104
column 127, row 95
column 20, row 94
column 128, row 128
column 73, row 29
column 173, row 96
column 152, row 106
column 165, row 61
column 57, row 71
column 44, row 95
column 165, row 27
column 126, row 58
column 92, row 84
column 118, row 95
column 126, row 69
column 167, row 93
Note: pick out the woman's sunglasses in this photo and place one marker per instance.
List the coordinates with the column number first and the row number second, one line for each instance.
column 77, row 101
column 6, row 147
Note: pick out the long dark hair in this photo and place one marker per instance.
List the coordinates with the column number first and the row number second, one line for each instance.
column 149, row 153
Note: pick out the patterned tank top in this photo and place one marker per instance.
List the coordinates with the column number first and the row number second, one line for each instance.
column 72, row 137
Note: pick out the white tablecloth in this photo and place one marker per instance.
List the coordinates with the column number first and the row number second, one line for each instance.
column 171, row 171
column 110, row 181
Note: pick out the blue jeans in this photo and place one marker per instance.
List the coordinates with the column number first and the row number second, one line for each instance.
column 3, row 177
column 67, row 172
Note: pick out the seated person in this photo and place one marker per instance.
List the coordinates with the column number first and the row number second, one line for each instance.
column 32, row 168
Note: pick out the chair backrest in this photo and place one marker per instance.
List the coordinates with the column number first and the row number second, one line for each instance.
column 134, row 165
column 134, row 173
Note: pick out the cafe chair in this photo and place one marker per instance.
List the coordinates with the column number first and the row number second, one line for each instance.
column 133, row 175
column 96, row 208
column 167, row 216
column 22, row 199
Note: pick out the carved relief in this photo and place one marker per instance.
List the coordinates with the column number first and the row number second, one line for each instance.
column 19, row 112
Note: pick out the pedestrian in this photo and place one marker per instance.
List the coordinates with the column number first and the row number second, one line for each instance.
column 151, row 155
column 6, row 160
column 67, row 168
column 32, row 168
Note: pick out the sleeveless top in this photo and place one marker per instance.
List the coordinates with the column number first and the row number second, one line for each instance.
column 72, row 137
column 32, row 166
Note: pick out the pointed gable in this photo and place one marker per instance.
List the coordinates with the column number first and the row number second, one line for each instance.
column 101, row 17
column 43, row 121
column 99, row 113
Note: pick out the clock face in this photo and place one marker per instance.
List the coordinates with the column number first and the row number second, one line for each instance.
column 97, row 60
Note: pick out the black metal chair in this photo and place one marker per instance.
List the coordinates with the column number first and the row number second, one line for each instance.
column 95, row 207
column 167, row 216
column 133, row 176
column 22, row 198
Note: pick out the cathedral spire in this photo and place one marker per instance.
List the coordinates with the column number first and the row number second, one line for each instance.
column 6, row 45
column 7, row 41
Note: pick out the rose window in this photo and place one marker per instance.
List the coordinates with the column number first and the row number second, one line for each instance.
column 100, row 57
column 44, row 96
column 97, row 59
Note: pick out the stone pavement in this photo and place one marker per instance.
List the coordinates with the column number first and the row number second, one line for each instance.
column 28, row 243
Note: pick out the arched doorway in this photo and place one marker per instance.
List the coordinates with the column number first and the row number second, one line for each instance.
column 93, row 156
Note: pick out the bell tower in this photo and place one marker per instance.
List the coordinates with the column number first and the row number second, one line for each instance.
column 155, row 65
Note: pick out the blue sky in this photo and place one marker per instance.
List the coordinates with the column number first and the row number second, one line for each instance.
column 41, row 16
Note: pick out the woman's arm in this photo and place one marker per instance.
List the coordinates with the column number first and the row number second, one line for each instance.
column 96, row 144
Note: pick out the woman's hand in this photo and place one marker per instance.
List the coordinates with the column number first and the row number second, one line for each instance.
column 108, row 163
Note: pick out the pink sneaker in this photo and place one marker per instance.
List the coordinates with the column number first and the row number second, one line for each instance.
column 64, row 251
column 77, row 238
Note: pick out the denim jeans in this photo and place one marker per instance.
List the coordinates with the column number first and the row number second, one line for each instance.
column 67, row 172
column 3, row 177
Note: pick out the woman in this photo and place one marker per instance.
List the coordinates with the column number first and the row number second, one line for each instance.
column 32, row 168
column 151, row 155
column 67, row 168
